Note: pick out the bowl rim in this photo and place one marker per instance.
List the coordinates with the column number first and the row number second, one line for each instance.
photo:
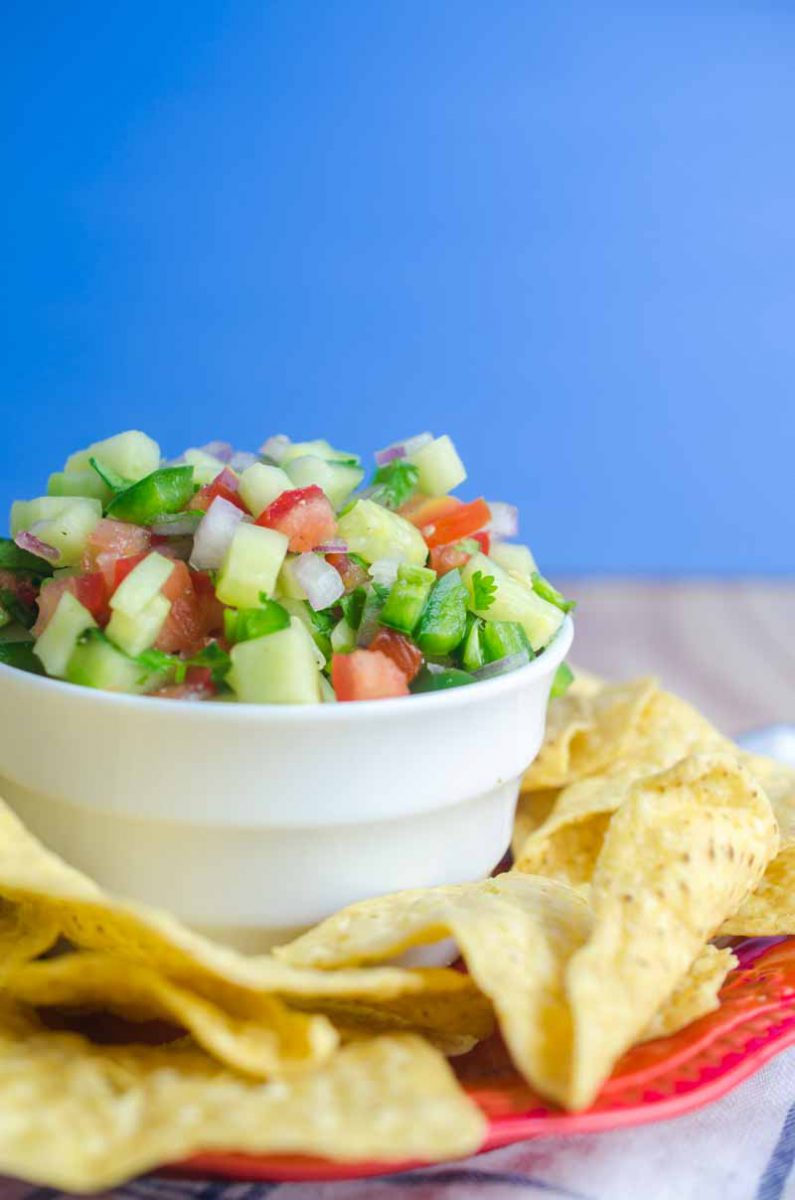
column 123, row 702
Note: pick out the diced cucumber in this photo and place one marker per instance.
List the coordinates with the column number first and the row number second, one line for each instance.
column 443, row 624
column 514, row 600
column 319, row 448
column 336, row 479
column 137, row 631
column 407, row 598
column 318, row 625
column 343, row 638
column 79, row 483
column 287, row 586
column 261, row 484
column 142, row 585
column 327, row 693
column 277, row 669
column 472, row 653
column 64, row 522
column 513, row 557
column 500, row 639
column 97, row 663
column 131, row 455
column 206, row 467
column 251, row 566
column 439, row 466
column 55, row 645
column 374, row 532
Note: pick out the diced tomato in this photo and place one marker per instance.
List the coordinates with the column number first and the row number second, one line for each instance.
column 422, row 510
column 483, row 539
column 25, row 591
column 182, row 631
column 211, row 610
column 123, row 566
column 304, row 515
column 351, row 573
column 226, row 485
column 447, row 558
column 367, row 675
column 110, row 540
column 404, row 654
column 91, row 590
column 198, row 685
column 456, row 524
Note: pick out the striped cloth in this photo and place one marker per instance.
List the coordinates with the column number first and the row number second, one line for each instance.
column 740, row 1148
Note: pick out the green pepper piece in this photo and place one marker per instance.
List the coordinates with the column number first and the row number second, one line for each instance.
column 444, row 622
column 564, row 678
column 543, row 588
column 407, row 598
column 245, row 624
column 440, row 681
column 472, row 653
column 13, row 558
column 21, row 656
column 167, row 490
column 502, row 638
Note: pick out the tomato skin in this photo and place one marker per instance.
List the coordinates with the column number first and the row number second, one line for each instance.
column 351, row 573
column 226, row 485
column 123, row 566
column 304, row 515
column 424, row 510
column 366, row 675
column 198, row 685
column 483, row 538
column 404, row 654
column 110, row 540
column 182, row 631
column 211, row 610
column 447, row 558
column 91, row 590
column 455, row 525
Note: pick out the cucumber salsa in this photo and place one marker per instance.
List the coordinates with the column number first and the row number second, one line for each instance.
column 283, row 577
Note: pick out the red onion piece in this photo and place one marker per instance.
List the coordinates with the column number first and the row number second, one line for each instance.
column 504, row 521
column 413, row 444
column 28, row 541
column 276, row 447
column 322, row 584
column 228, row 479
column 214, row 534
column 502, row 666
column 335, row 546
column 382, row 457
column 241, row 460
column 220, row 450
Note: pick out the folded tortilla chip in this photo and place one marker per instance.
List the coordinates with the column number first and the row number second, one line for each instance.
column 65, row 902
column 532, row 810
column 515, row 933
column 681, row 854
column 85, row 1118
column 695, row 995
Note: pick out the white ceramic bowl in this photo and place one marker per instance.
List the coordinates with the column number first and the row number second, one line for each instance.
column 251, row 822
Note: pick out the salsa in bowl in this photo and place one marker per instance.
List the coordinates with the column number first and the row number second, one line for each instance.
column 283, row 577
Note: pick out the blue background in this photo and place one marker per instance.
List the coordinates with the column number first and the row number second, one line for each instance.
column 563, row 232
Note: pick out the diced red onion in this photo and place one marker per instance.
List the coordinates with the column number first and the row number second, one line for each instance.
column 368, row 628
column 322, row 584
column 384, row 571
column 241, row 460
column 276, row 447
column 335, row 546
column 504, row 521
column 413, row 444
column 28, row 541
column 220, row 450
column 382, row 457
column 182, row 523
column 214, row 534
column 227, row 479
column 502, row 666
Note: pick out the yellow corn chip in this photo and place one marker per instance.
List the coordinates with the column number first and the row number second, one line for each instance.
column 85, row 1118
column 680, row 855
column 24, row 935
column 515, row 932
column 770, row 910
column 532, row 811
column 695, row 995
column 72, row 905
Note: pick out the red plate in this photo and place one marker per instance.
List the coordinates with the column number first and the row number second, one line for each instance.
column 653, row 1082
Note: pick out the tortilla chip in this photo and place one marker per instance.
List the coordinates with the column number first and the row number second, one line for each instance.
column 770, row 910
column 695, row 995
column 620, row 728
column 515, row 933
column 679, row 857
column 532, row 810
column 86, row 1118
column 259, row 1037
column 67, row 901
column 24, row 935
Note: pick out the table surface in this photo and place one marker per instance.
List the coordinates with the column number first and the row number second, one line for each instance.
column 728, row 646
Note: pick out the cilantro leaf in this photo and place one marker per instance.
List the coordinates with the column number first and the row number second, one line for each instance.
column 564, row 678
column 353, row 606
column 395, row 483
column 114, row 481
column 214, row 657
column 484, row 591
column 543, row 588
